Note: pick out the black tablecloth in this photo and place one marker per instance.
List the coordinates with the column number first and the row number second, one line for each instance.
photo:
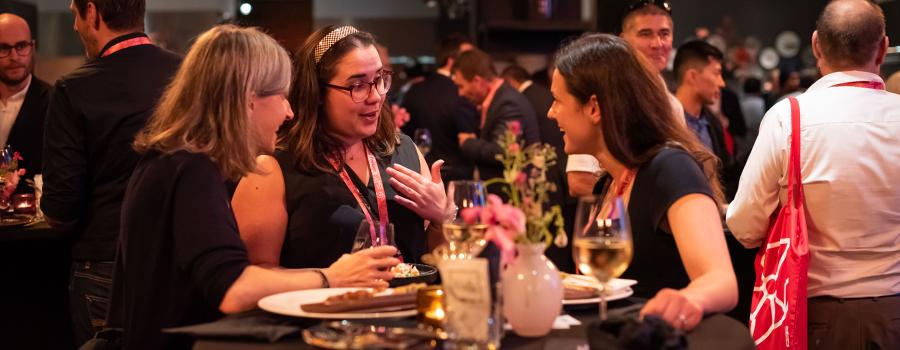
column 715, row 332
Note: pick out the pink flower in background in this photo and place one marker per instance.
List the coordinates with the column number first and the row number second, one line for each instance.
column 514, row 148
column 515, row 126
column 521, row 178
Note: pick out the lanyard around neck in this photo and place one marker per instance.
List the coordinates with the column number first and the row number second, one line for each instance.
column 141, row 40
column 380, row 195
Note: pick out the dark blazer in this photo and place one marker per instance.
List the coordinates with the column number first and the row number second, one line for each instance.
column 435, row 104
column 94, row 114
column 27, row 134
column 508, row 105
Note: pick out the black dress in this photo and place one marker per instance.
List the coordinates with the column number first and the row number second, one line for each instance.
column 179, row 250
column 323, row 215
column 669, row 176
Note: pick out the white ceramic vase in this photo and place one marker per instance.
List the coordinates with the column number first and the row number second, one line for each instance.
column 532, row 291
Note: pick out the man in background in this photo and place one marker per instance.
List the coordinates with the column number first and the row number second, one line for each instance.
column 648, row 27
column 698, row 72
column 434, row 105
column 93, row 117
column 499, row 104
column 23, row 101
column 849, row 166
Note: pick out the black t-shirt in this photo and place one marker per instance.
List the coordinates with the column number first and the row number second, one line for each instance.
column 180, row 249
column 669, row 176
column 323, row 215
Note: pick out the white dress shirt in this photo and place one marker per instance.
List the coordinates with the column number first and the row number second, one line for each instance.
column 9, row 111
column 850, row 166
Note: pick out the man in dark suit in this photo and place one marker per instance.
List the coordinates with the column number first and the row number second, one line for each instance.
column 23, row 98
column 500, row 104
column 434, row 104
column 698, row 72
column 93, row 116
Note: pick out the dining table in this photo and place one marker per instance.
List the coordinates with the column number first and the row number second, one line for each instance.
column 716, row 331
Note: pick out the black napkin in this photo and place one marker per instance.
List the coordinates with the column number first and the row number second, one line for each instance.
column 256, row 324
column 623, row 330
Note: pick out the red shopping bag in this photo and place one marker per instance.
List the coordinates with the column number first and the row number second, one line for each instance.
column 778, row 314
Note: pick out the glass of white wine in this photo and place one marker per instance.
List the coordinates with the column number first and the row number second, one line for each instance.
column 602, row 244
column 460, row 196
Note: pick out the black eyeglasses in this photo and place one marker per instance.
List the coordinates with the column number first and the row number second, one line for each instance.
column 639, row 4
column 23, row 48
column 360, row 91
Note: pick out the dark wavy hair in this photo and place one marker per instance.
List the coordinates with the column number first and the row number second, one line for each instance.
column 305, row 136
column 637, row 120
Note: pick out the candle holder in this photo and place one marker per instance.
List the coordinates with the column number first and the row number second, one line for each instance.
column 430, row 306
column 23, row 203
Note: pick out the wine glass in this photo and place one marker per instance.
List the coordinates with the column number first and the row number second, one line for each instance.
column 384, row 235
column 422, row 139
column 602, row 245
column 462, row 195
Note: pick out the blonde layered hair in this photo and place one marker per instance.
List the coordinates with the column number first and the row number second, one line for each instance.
column 205, row 107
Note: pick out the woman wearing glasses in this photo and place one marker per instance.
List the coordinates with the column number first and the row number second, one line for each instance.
column 610, row 103
column 341, row 163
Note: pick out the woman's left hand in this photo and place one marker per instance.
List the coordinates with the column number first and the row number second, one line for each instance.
column 420, row 194
column 676, row 308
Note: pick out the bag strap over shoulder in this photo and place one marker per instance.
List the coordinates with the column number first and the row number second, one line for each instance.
column 795, row 181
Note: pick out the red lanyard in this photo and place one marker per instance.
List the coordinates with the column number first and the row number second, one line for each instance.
column 627, row 177
column 877, row 85
column 620, row 190
column 380, row 195
column 142, row 40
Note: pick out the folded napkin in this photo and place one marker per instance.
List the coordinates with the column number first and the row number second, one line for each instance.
column 254, row 324
column 623, row 330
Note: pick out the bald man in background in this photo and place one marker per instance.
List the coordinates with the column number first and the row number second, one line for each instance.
column 23, row 100
column 850, row 161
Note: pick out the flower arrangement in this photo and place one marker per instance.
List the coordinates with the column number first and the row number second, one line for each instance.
column 525, row 182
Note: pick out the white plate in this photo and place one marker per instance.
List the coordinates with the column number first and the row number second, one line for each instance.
column 288, row 304
column 620, row 287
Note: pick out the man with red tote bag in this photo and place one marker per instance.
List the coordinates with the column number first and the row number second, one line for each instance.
column 828, row 274
column 778, row 314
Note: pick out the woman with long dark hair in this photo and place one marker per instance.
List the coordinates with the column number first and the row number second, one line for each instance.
column 610, row 103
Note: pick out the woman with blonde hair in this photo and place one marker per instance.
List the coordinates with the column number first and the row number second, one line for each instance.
column 331, row 174
column 611, row 104
column 181, row 260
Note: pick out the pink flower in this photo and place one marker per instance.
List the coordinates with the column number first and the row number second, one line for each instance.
column 520, row 179
column 470, row 215
column 503, row 242
column 505, row 223
column 515, row 126
column 514, row 148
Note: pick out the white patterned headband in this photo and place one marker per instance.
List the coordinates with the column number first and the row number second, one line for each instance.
column 331, row 38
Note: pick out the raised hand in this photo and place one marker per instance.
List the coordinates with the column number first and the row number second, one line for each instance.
column 420, row 194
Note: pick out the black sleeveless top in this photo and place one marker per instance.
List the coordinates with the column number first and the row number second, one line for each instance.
column 323, row 215
column 670, row 175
